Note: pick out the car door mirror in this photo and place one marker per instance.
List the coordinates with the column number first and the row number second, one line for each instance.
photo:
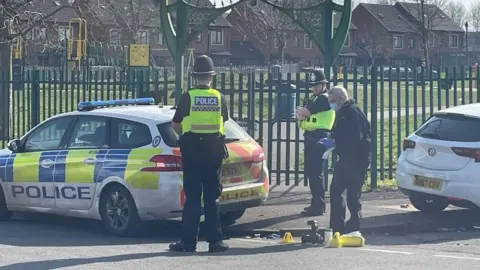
column 14, row 145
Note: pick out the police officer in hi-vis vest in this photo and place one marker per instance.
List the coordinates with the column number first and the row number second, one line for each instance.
column 199, row 118
column 316, row 118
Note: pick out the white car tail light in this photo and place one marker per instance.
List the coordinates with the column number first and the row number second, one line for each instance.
column 473, row 153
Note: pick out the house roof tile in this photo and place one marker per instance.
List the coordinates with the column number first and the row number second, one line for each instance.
column 391, row 18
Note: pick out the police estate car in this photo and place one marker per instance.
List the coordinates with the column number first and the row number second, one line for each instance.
column 120, row 164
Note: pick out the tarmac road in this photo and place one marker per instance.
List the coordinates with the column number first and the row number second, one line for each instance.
column 34, row 245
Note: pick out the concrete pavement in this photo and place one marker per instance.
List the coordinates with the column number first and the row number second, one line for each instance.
column 50, row 248
column 385, row 211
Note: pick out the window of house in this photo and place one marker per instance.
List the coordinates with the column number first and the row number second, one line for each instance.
column 141, row 37
column 398, row 42
column 36, row 33
column 42, row 33
column 307, row 42
column 297, row 41
column 453, row 41
column 276, row 43
column 115, row 36
column 216, row 37
column 63, row 33
column 412, row 43
column 199, row 38
column 431, row 40
column 160, row 38
column 347, row 41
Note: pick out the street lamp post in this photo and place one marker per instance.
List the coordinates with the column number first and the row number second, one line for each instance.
column 466, row 43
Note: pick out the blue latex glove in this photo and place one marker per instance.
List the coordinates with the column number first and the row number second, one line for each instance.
column 327, row 142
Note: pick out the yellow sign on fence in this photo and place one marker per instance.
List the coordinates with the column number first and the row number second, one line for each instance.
column 139, row 55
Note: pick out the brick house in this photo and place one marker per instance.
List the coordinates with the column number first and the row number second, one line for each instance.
column 255, row 46
column 390, row 34
column 119, row 27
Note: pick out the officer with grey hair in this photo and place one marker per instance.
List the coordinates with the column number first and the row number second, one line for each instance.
column 351, row 133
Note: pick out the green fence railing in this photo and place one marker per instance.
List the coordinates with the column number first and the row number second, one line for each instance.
column 397, row 101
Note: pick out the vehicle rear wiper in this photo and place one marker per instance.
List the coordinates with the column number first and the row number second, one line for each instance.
column 229, row 140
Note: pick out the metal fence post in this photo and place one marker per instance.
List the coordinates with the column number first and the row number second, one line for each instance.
column 373, row 123
column 35, row 102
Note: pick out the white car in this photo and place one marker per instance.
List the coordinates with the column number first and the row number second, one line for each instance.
column 440, row 162
column 120, row 164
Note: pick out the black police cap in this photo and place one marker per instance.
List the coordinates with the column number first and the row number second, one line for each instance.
column 317, row 76
column 203, row 65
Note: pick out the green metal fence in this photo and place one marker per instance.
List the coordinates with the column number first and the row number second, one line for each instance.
column 400, row 101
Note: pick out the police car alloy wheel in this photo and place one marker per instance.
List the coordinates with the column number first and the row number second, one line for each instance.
column 119, row 212
column 428, row 204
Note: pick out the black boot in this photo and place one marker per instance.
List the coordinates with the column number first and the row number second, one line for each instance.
column 217, row 247
column 312, row 211
column 180, row 246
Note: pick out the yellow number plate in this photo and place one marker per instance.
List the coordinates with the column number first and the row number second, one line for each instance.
column 229, row 171
column 426, row 182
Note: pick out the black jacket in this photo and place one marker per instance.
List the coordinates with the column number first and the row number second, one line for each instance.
column 352, row 134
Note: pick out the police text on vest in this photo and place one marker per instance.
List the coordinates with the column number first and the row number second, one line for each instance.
column 206, row 101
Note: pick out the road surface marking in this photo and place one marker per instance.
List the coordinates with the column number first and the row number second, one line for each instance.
column 385, row 251
column 456, row 257
column 256, row 240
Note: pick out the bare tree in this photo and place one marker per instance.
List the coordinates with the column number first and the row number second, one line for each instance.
column 269, row 27
column 371, row 48
column 456, row 11
column 26, row 20
column 473, row 16
column 428, row 14
column 278, row 26
column 129, row 20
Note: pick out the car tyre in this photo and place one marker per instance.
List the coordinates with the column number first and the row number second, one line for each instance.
column 229, row 218
column 428, row 204
column 4, row 213
column 119, row 212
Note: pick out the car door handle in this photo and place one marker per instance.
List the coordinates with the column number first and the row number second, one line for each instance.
column 47, row 163
column 90, row 161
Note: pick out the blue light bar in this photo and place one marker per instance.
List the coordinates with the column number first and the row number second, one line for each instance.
column 91, row 105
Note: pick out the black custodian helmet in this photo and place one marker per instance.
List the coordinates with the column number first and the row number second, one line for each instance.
column 317, row 76
column 203, row 65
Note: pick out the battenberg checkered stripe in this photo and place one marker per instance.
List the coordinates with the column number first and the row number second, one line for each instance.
column 205, row 108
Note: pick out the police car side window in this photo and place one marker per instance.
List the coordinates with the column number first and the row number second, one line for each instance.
column 47, row 136
column 89, row 132
column 128, row 134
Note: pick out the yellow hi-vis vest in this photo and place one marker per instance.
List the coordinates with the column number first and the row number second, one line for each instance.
column 321, row 120
column 205, row 112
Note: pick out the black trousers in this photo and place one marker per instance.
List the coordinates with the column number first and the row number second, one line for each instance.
column 201, row 176
column 350, row 176
column 314, row 172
